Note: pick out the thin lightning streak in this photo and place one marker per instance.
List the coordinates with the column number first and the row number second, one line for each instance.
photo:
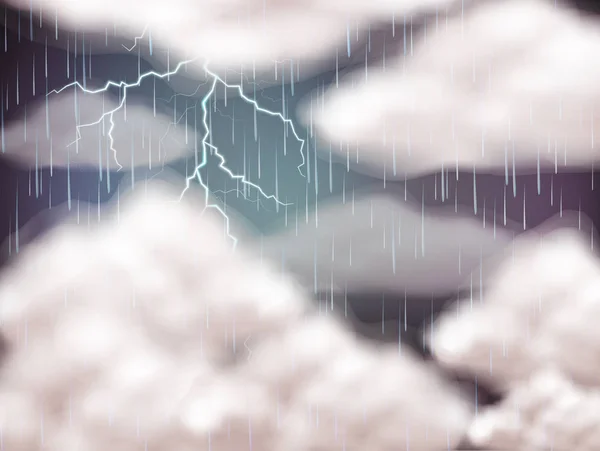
column 205, row 145
column 110, row 114
column 248, row 348
column 136, row 40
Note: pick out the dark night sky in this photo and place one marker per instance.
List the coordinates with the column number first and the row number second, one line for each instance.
column 86, row 185
column 576, row 189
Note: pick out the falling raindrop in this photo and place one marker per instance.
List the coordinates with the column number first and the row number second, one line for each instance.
column 494, row 219
column 37, row 180
column 69, row 179
column 17, row 93
column 504, row 207
column 56, row 24
column 2, row 138
column 474, row 191
column 423, row 222
column 539, row 177
column 5, row 31
column 524, row 211
column 506, row 164
column 514, row 169
column 348, row 40
column 17, row 225
column 82, row 58
column 560, row 208
column 393, row 246
column 315, row 279
column 276, row 182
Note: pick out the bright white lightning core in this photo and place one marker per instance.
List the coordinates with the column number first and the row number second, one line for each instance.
column 205, row 145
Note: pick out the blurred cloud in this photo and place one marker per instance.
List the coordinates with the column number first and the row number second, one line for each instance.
column 535, row 312
column 378, row 242
column 74, row 128
column 533, row 335
column 475, row 95
column 546, row 411
column 153, row 322
column 90, row 215
column 230, row 32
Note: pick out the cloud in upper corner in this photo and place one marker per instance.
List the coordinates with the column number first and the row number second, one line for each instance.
column 230, row 32
column 477, row 93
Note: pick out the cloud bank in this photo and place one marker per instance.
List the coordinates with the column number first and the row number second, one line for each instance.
column 534, row 336
column 476, row 95
column 134, row 336
column 75, row 129
column 380, row 243
column 231, row 32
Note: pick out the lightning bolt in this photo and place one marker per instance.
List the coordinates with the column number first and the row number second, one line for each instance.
column 205, row 145
column 248, row 347
column 135, row 41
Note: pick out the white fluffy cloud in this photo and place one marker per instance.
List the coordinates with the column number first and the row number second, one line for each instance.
column 231, row 32
column 537, row 310
column 535, row 327
column 547, row 411
column 476, row 93
column 134, row 335
column 376, row 242
column 91, row 215
column 253, row 42
column 74, row 128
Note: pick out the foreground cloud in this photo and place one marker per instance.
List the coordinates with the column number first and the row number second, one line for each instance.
column 150, row 332
column 533, row 335
column 91, row 215
column 547, row 411
column 476, row 94
column 534, row 313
